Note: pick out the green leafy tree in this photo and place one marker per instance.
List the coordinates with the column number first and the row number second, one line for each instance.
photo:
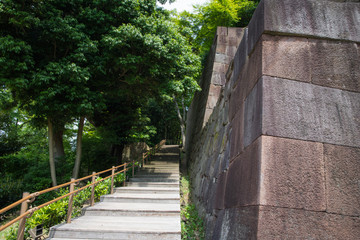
column 103, row 60
column 144, row 58
column 227, row 13
column 43, row 49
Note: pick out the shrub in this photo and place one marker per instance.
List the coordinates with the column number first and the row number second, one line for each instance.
column 56, row 212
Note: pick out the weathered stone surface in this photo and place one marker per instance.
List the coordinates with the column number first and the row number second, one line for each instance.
column 248, row 77
column 319, row 19
column 226, row 50
column 236, row 33
column 226, row 40
column 218, row 79
column 220, row 67
column 213, row 96
column 292, row 174
column 342, row 166
column 335, row 64
column 240, row 57
column 286, row 57
column 284, row 223
column 253, row 114
column 222, row 58
column 220, row 191
column 237, row 134
column 309, row 112
column 237, row 223
column 243, row 176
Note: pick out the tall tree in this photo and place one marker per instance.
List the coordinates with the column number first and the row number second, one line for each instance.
column 43, row 50
column 64, row 60
column 226, row 13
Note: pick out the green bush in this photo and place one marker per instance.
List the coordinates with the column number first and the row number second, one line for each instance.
column 192, row 226
column 56, row 212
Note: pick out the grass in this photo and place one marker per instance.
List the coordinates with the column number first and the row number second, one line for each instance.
column 192, row 226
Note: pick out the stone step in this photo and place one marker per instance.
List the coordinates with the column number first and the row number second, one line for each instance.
column 157, row 175
column 125, row 227
column 153, row 184
column 160, row 169
column 164, row 170
column 142, row 198
column 132, row 209
column 149, row 190
column 151, row 179
column 162, row 166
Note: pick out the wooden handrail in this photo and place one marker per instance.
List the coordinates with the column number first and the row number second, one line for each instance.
column 32, row 196
column 36, row 194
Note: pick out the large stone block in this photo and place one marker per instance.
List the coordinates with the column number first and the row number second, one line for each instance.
column 240, row 56
column 220, row 67
column 292, row 174
column 253, row 114
column 222, row 58
column 214, row 94
column 236, row 223
column 313, row 18
column 220, row 191
column 335, row 64
column 285, row 223
column 243, row 176
column 218, row 79
column 304, row 111
column 286, row 57
column 237, row 134
column 342, row 166
column 248, row 77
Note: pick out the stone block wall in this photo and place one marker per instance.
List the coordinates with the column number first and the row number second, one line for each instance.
column 279, row 157
column 213, row 80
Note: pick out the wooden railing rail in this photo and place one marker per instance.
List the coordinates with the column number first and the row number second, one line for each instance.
column 29, row 198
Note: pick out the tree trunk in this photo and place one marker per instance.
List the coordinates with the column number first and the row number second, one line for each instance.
column 116, row 151
column 59, row 152
column 78, row 148
column 182, row 123
column 51, row 152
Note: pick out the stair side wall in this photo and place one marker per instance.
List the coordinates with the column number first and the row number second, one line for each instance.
column 279, row 156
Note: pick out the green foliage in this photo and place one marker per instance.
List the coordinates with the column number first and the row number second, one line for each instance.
column 192, row 226
column 226, row 13
column 56, row 212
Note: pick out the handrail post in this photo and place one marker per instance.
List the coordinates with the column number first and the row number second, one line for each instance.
column 92, row 199
column 133, row 168
column 112, row 180
column 24, row 208
column 124, row 175
column 71, row 197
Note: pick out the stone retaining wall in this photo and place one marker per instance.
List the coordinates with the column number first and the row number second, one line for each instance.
column 279, row 157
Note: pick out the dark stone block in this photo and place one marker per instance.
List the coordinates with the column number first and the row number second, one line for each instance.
column 243, row 176
column 292, row 174
column 335, row 64
column 304, row 111
column 342, row 166
column 237, row 223
column 285, row 223
column 237, row 133
column 253, row 114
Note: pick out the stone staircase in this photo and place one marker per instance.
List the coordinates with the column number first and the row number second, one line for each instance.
column 147, row 208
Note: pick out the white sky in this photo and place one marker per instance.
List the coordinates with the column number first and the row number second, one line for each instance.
column 181, row 5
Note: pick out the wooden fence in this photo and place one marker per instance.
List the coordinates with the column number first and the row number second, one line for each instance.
column 25, row 212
